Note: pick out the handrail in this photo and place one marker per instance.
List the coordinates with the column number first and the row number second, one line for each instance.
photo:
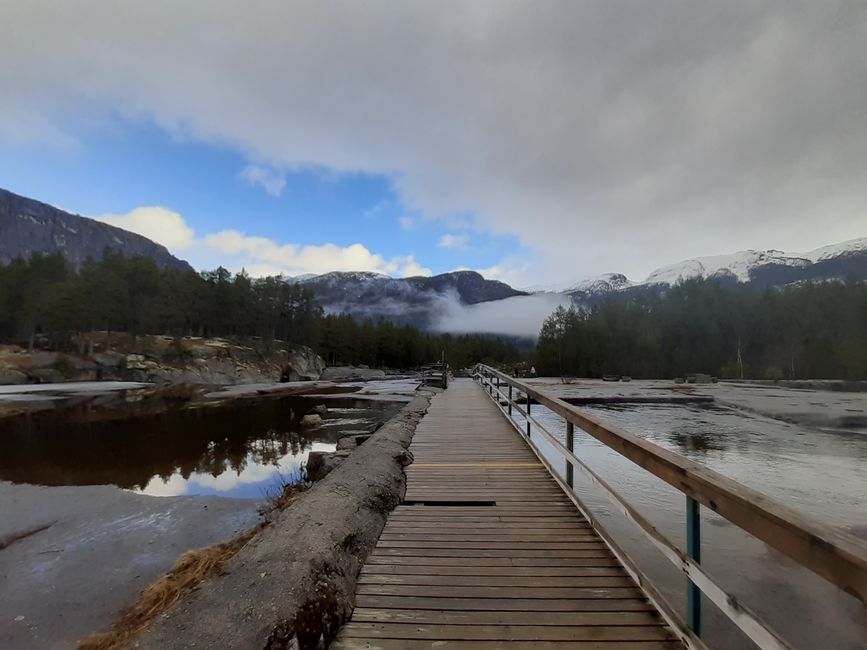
column 836, row 556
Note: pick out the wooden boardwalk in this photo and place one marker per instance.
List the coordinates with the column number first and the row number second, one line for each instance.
column 488, row 552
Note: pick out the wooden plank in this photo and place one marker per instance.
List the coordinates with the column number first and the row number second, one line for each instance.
column 507, row 604
column 351, row 643
column 481, row 632
column 452, row 580
column 508, row 553
column 471, row 570
column 435, row 616
column 500, row 593
column 502, row 560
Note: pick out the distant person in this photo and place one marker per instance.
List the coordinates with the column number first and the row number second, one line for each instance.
column 533, row 371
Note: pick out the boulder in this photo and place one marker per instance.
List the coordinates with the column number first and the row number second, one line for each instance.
column 347, row 373
column 311, row 420
column 11, row 377
column 43, row 359
column 321, row 463
column 135, row 362
column 47, row 375
column 303, row 364
column 108, row 359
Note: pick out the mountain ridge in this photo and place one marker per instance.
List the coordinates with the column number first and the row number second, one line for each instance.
column 28, row 227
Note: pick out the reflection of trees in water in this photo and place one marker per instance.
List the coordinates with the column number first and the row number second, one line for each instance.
column 51, row 448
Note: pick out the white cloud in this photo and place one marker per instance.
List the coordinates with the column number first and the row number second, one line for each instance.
column 406, row 223
column 163, row 226
column 272, row 181
column 608, row 135
column 259, row 256
column 291, row 259
column 453, row 241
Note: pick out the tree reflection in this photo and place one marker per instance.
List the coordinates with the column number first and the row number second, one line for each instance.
column 61, row 448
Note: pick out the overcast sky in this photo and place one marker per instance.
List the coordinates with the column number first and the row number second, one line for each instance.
column 541, row 141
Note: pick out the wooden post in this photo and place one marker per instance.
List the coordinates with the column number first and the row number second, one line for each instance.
column 510, row 400
column 693, row 550
column 528, row 415
column 570, row 445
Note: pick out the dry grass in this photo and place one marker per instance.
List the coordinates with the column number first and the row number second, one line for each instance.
column 193, row 567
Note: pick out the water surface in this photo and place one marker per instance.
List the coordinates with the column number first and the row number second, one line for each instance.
column 819, row 473
column 244, row 449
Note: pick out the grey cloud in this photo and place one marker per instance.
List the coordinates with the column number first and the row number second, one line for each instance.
column 609, row 136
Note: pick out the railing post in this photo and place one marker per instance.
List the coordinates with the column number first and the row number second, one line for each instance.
column 528, row 415
column 693, row 550
column 570, row 445
column 510, row 400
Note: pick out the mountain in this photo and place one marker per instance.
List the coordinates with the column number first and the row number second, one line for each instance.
column 415, row 300
column 28, row 226
column 762, row 269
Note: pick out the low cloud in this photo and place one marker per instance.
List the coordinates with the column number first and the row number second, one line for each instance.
column 259, row 256
column 453, row 241
column 272, row 181
column 518, row 316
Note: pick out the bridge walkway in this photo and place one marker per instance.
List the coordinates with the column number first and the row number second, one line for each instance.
column 488, row 552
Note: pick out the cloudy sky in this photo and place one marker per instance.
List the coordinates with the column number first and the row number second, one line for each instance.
column 538, row 141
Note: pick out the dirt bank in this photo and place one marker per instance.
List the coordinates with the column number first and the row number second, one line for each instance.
column 295, row 583
column 72, row 557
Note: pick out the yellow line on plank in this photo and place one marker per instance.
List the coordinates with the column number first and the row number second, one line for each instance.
column 476, row 465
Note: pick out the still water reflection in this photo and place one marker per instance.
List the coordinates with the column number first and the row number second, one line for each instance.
column 241, row 450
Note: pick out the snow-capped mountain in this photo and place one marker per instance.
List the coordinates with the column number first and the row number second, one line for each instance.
column 768, row 268
column 422, row 301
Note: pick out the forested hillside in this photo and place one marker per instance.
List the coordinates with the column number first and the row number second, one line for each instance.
column 45, row 300
column 815, row 330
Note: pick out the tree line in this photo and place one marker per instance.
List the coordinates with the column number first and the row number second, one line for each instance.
column 44, row 299
column 813, row 330
column 344, row 340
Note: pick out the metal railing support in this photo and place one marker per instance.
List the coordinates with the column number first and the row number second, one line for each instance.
column 693, row 550
column 510, row 400
column 570, row 445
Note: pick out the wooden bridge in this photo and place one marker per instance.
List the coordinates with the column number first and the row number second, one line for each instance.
column 492, row 549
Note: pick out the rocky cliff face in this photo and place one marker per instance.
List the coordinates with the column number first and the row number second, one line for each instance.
column 28, row 226
column 160, row 359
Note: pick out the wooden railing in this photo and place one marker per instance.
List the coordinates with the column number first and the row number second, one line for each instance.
column 436, row 374
column 838, row 557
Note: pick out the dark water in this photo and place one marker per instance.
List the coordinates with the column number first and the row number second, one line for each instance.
column 822, row 474
column 241, row 450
